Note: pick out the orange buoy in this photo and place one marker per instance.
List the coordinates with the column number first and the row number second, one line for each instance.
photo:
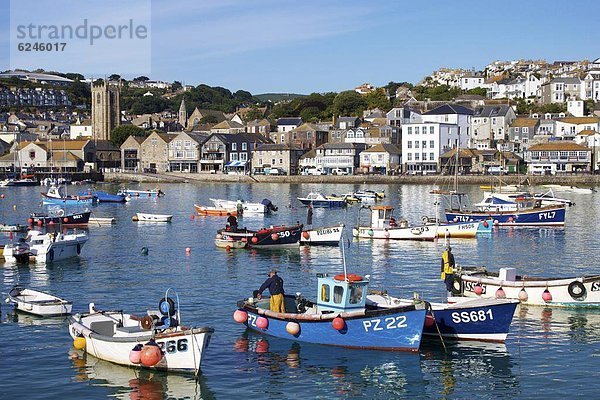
column 429, row 321
column 135, row 354
column 338, row 323
column 306, row 235
column 293, row 328
column 262, row 323
column 485, row 224
column 547, row 296
column 188, row 250
column 150, row 354
column 65, row 220
column 228, row 247
column 240, row 316
column 2, row 196
column 30, row 221
column 275, row 237
column 500, row 293
column 40, row 222
column 478, row 289
column 254, row 239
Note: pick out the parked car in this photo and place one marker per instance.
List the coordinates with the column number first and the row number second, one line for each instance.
column 339, row 171
column 276, row 171
column 312, row 171
column 497, row 171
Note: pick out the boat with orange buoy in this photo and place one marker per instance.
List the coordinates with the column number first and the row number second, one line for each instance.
column 323, row 236
column 279, row 236
column 576, row 291
column 215, row 211
column 157, row 340
column 340, row 316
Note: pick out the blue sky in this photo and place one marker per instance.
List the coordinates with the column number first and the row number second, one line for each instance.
column 318, row 46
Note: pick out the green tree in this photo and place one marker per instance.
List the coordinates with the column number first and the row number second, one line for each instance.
column 121, row 133
column 349, row 103
column 310, row 114
column 252, row 114
column 478, row 91
column 141, row 79
column 114, row 77
column 209, row 119
column 149, row 105
column 175, row 86
column 378, row 99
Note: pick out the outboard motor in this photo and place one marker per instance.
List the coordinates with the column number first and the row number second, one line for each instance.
column 268, row 204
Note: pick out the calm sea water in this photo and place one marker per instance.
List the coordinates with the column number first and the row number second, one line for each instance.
column 549, row 352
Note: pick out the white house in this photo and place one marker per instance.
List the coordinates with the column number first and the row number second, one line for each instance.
column 402, row 115
column 591, row 86
column 381, row 158
column 490, row 123
column 288, row 124
column 452, row 114
column 569, row 127
column 471, row 81
column 423, row 143
column 81, row 128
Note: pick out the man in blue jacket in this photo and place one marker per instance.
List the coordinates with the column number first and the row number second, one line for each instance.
column 275, row 285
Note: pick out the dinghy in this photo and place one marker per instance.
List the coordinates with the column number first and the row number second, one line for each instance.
column 38, row 303
column 45, row 248
column 215, row 211
column 157, row 340
column 144, row 217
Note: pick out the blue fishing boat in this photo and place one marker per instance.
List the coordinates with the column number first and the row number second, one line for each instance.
column 339, row 317
column 317, row 199
column 105, row 197
column 521, row 212
column 56, row 195
column 461, row 318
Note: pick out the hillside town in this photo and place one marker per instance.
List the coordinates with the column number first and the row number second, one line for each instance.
column 522, row 116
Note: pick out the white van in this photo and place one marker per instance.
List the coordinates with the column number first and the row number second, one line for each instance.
column 313, row 171
column 497, row 171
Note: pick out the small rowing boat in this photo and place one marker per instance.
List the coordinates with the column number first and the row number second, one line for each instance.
column 145, row 217
column 38, row 303
column 215, row 211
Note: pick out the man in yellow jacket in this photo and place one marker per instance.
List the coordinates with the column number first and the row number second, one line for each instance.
column 448, row 268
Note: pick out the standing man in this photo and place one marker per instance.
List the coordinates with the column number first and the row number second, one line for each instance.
column 275, row 285
column 448, row 268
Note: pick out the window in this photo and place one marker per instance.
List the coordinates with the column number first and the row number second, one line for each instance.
column 416, row 156
column 409, row 157
column 32, row 154
column 325, row 289
column 431, row 144
column 424, row 130
column 244, row 146
column 416, row 144
column 273, row 161
column 233, row 156
column 187, row 144
column 431, row 130
column 356, row 294
column 410, row 130
column 424, row 144
column 517, row 130
column 431, row 156
column 409, row 144
column 338, row 294
column 281, row 161
column 282, row 138
column 243, row 156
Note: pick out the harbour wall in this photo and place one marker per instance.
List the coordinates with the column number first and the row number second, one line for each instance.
column 584, row 179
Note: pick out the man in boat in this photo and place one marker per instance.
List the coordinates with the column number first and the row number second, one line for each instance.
column 232, row 222
column 448, row 268
column 275, row 285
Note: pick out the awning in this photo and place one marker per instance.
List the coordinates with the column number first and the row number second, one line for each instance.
column 236, row 164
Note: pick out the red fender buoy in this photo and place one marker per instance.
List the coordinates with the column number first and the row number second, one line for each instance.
column 338, row 323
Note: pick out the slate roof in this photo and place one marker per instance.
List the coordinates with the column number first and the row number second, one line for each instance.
column 289, row 121
column 492, row 111
column 277, row 147
column 450, row 109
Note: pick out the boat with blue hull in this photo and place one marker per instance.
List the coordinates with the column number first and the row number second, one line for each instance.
column 339, row 317
column 56, row 195
column 462, row 318
column 105, row 197
column 526, row 212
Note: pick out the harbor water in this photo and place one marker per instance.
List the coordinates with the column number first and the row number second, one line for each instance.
column 550, row 353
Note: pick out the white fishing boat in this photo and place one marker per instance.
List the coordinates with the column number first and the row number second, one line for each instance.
column 570, row 189
column 38, row 303
column 324, row 236
column 582, row 291
column 158, row 340
column 546, row 198
column 264, row 207
column 45, row 248
column 144, row 217
column 153, row 193
column 384, row 226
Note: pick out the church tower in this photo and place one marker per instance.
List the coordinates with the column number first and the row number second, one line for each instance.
column 106, row 109
column 182, row 115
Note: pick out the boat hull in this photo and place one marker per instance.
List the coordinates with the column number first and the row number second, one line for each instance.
column 143, row 193
column 327, row 236
column 76, row 201
column 74, row 219
column 39, row 303
column 324, row 203
column 542, row 217
column 421, row 233
column 143, row 217
column 183, row 350
column 566, row 292
column 215, row 211
column 58, row 250
column 472, row 321
column 273, row 237
column 247, row 208
column 460, row 230
column 390, row 330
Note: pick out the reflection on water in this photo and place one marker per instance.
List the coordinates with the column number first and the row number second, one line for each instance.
column 134, row 384
column 23, row 319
